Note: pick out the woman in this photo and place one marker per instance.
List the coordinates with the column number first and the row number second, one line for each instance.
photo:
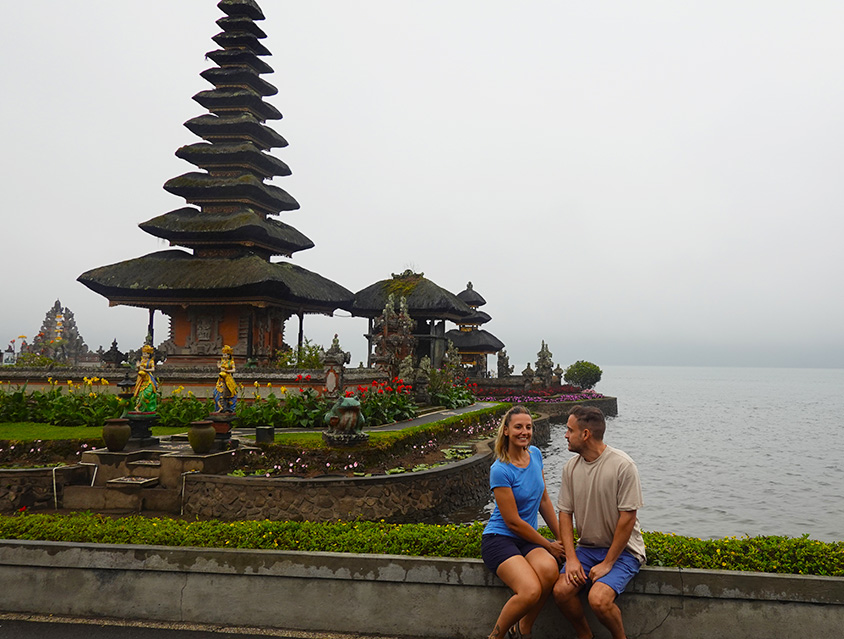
column 511, row 545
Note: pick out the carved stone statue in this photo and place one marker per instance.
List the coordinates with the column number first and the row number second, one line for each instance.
column 145, row 394
column 225, row 390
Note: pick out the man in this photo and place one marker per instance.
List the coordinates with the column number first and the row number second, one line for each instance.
column 601, row 490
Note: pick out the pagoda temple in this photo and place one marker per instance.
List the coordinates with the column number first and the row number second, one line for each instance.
column 428, row 305
column 221, row 286
column 472, row 342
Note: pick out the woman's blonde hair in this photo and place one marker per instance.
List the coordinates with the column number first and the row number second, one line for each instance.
column 502, row 441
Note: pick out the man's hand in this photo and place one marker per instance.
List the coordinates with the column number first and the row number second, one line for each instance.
column 574, row 572
column 599, row 570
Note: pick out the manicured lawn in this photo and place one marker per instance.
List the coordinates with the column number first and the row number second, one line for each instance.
column 31, row 431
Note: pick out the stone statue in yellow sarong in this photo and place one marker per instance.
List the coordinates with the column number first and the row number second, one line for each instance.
column 145, row 395
column 225, row 391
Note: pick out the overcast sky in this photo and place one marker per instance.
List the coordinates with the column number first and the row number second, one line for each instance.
column 633, row 182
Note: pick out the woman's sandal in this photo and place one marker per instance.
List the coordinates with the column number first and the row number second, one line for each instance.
column 516, row 633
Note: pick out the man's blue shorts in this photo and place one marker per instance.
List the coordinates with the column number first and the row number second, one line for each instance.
column 496, row 549
column 624, row 569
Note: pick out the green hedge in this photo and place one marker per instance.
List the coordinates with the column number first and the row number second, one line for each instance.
column 761, row 554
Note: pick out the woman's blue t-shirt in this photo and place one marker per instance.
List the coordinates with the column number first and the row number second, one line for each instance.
column 528, row 486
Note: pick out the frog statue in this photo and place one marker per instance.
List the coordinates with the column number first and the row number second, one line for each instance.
column 345, row 423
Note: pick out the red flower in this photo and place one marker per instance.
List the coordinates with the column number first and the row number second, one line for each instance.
column 307, row 377
column 22, row 509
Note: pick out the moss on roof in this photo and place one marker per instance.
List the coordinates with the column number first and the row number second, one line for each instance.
column 242, row 126
column 189, row 227
column 425, row 300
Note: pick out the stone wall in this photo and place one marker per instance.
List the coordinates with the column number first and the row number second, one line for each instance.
column 37, row 488
column 608, row 405
column 387, row 594
column 406, row 497
column 200, row 381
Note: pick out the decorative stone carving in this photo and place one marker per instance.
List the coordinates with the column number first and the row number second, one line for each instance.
column 333, row 363
column 392, row 335
column 544, row 365
column 504, row 368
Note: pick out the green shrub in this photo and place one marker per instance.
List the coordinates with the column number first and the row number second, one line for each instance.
column 759, row 554
column 583, row 374
column 84, row 404
column 181, row 410
column 449, row 390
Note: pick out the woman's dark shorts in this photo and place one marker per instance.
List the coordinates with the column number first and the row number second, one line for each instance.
column 496, row 549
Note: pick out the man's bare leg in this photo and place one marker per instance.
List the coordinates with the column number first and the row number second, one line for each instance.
column 565, row 595
column 602, row 602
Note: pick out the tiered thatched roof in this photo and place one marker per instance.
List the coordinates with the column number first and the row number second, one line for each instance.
column 232, row 233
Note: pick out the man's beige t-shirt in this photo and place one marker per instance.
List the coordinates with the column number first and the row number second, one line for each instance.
column 596, row 491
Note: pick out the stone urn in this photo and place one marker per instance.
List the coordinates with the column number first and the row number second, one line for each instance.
column 116, row 433
column 201, row 436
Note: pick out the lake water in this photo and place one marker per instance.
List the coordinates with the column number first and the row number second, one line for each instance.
column 728, row 451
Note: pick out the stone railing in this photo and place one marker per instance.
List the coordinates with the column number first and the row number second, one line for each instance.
column 198, row 380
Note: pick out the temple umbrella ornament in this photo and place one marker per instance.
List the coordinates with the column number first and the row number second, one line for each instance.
column 222, row 287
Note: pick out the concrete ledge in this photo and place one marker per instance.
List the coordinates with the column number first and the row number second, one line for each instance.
column 385, row 594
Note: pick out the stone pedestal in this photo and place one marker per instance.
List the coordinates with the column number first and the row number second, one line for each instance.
column 141, row 423
column 333, row 438
column 222, row 423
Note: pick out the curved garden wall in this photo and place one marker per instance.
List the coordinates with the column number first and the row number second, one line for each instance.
column 405, row 497
column 37, row 488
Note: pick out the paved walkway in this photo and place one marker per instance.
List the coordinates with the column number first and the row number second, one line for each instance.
column 435, row 416
column 20, row 626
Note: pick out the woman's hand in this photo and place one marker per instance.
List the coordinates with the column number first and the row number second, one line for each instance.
column 557, row 551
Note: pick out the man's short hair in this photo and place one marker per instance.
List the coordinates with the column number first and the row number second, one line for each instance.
column 592, row 418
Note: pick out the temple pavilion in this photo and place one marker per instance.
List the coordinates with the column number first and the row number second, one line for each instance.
column 428, row 304
column 472, row 342
column 220, row 285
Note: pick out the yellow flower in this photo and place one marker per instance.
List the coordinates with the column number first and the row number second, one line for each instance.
column 256, row 383
column 269, row 384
